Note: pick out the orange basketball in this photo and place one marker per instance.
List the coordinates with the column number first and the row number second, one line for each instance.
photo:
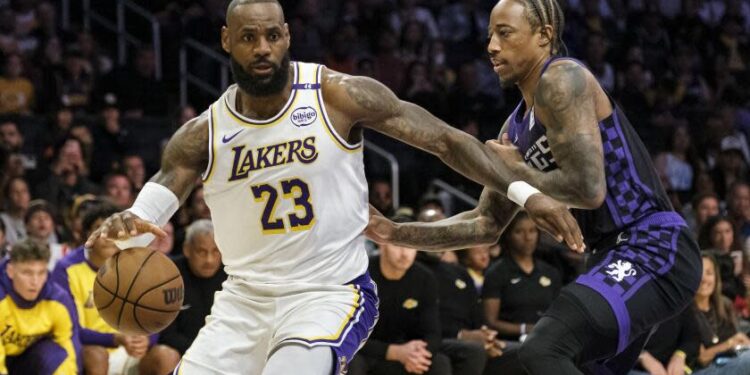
column 138, row 291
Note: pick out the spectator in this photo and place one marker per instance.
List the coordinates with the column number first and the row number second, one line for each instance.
column 119, row 189
column 74, row 85
column 40, row 227
column 16, row 91
column 389, row 66
column 33, row 307
column 407, row 336
column 677, row 166
column 381, row 196
column 730, row 168
column 719, row 237
column 17, row 198
column 476, row 260
column 202, row 273
column 12, row 140
column 596, row 51
column 4, row 247
column 198, row 209
column 68, row 176
column 703, row 207
column 135, row 169
column 75, row 274
column 718, row 327
column 466, row 340
column 410, row 11
column 519, row 288
column 738, row 210
column 110, row 138
column 672, row 347
column 139, row 92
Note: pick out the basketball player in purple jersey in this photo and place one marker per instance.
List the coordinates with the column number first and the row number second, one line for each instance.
column 569, row 140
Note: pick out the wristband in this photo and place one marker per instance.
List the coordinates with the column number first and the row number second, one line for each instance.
column 156, row 204
column 680, row 354
column 520, row 191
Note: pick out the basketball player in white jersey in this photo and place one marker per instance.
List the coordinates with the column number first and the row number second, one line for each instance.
column 280, row 156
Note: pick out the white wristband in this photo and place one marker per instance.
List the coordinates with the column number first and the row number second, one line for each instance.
column 156, row 204
column 523, row 329
column 520, row 191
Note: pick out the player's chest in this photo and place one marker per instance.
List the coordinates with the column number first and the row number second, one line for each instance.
column 530, row 136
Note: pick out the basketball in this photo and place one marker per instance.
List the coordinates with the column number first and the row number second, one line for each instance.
column 138, row 291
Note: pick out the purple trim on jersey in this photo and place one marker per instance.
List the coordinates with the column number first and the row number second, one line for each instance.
column 357, row 329
column 91, row 337
column 41, row 358
column 628, row 154
column 616, row 302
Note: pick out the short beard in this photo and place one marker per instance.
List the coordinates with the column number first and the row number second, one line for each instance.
column 261, row 86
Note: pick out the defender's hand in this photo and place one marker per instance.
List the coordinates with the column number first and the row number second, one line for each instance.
column 122, row 226
column 507, row 151
column 379, row 229
column 555, row 218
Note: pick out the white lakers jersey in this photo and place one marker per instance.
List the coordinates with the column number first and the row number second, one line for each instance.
column 288, row 195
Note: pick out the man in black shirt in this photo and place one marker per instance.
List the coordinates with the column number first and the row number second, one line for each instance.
column 466, row 340
column 407, row 336
column 202, row 274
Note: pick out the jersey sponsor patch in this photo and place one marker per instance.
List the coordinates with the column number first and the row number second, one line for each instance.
column 304, row 116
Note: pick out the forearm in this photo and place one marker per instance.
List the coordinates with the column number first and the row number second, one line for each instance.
column 578, row 189
column 505, row 328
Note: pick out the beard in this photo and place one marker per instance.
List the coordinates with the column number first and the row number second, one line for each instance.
column 262, row 85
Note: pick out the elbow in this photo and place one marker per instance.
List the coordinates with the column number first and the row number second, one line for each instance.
column 488, row 231
column 592, row 193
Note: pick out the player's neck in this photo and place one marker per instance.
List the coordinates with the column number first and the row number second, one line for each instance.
column 263, row 107
column 528, row 83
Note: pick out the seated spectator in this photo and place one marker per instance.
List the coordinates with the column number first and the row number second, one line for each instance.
column 12, row 140
column 466, row 340
column 407, row 336
column 17, row 198
column 719, row 236
column 105, row 351
column 16, row 91
column 134, row 168
column 40, row 335
column 119, row 189
column 702, row 207
column 40, row 227
column 677, row 166
column 672, row 347
column 519, row 288
column 476, row 260
column 68, row 177
column 717, row 324
column 738, row 210
column 202, row 273
column 3, row 243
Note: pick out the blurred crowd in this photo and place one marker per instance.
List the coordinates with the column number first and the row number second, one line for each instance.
column 78, row 131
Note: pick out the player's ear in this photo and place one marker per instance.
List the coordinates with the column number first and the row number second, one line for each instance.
column 225, row 39
column 545, row 36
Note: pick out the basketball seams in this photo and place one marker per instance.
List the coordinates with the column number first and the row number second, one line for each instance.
column 136, row 305
column 130, row 287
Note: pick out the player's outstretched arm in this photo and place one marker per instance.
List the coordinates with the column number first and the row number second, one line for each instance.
column 184, row 159
column 482, row 225
column 366, row 102
column 565, row 103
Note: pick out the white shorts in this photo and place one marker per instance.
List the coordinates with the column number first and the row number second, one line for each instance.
column 248, row 322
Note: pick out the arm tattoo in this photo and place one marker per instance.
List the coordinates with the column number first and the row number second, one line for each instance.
column 376, row 107
column 483, row 225
column 185, row 158
column 564, row 101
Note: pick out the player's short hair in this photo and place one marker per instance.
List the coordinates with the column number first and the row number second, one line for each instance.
column 546, row 12
column 196, row 228
column 234, row 3
column 29, row 250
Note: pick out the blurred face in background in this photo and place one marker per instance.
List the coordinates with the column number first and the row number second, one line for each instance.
column 708, row 282
column 739, row 201
column 478, row 258
column 119, row 190
column 134, row 169
column 18, row 194
column 397, row 258
column 40, row 225
column 203, row 255
column 524, row 237
column 722, row 236
column 10, row 136
column 28, row 278
column 706, row 208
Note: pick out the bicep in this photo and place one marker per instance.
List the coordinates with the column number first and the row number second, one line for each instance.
column 185, row 158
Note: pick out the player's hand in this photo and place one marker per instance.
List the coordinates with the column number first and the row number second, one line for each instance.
column 122, row 226
column 676, row 365
column 554, row 218
column 379, row 228
column 507, row 151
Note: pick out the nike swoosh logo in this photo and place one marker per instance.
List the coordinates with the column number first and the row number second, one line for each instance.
column 185, row 307
column 226, row 139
